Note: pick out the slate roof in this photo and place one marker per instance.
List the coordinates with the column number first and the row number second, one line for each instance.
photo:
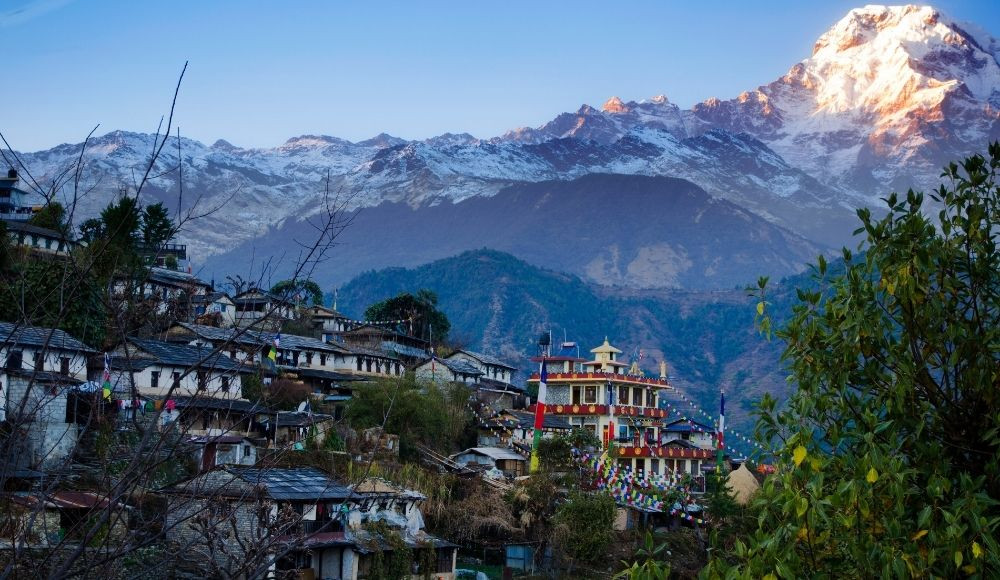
column 684, row 426
column 209, row 298
column 486, row 359
column 185, row 355
column 247, row 297
column 292, row 483
column 46, row 377
column 296, row 342
column 278, row 483
column 21, row 335
column 461, row 367
column 494, row 453
column 410, row 351
column 370, row 352
column 527, row 421
column 216, row 404
column 215, row 334
column 168, row 276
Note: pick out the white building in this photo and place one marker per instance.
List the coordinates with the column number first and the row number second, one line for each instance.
column 41, row 366
column 151, row 368
column 493, row 368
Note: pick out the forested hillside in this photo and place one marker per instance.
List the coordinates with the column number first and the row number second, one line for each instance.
column 500, row 304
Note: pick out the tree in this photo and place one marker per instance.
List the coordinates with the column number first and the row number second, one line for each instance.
column 420, row 313
column 297, row 290
column 157, row 227
column 51, row 216
column 889, row 450
column 584, row 526
column 121, row 221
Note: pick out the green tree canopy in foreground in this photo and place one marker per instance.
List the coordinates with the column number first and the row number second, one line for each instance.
column 888, row 460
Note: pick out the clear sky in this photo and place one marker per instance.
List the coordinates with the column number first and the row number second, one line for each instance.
column 261, row 72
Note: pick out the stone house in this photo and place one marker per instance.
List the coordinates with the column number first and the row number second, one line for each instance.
column 438, row 370
column 305, row 522
column 493, row 368
column 261, row 309
column 40, row 368
column 511, row 463
column 216, row 304
column 212, row 450
column 156, row 369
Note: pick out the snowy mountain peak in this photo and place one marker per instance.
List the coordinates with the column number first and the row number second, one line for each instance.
column 614, row 105
column 888, row 59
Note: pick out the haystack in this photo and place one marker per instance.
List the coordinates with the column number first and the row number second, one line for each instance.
column 743, row 484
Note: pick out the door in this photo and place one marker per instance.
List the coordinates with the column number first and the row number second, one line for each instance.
column 208, row 457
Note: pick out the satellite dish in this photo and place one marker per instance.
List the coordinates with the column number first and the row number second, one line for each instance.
column 302, row 406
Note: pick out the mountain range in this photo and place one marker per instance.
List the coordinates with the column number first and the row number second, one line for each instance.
column 888, row 96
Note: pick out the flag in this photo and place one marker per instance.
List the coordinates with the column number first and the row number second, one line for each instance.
column 106, row 386
column 543, row 378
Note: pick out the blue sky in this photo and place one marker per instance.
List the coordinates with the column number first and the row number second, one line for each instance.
column 261, row 72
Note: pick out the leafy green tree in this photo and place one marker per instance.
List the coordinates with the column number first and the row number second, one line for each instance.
column 91, row 230
column 889, row 451
column 297, row 290
column 425, row 414
column 584, row 526
column 420, row 311
column 121, row 222
column 51, row 216
column 157, row 227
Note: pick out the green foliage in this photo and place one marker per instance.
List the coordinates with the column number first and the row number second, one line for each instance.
column 584, row 526
column 392, row 562
column 51, row 216
column 653, row 566
column 54, row 294
column 555, row 453
column 420, row 312
column 157, row 227
column 889, row 451
column 425, row 414
column 121, row 222
column 298, row 290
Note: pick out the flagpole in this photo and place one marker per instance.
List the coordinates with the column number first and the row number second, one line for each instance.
column 539, row 416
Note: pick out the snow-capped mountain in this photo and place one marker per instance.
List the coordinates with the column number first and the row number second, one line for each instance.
column 888, row 96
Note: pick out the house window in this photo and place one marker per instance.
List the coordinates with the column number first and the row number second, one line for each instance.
column 622, row 432
column 64, row 365
column 309, row 358
column 358, row 361
column 202, row 381
column 14, row 359
column 637, row 397
column 576, row 395
column 623, row 392
column 246, row 451
column 590, row 394
column 322, row 359
column 39, row 362
column 154, row 379
column 368, row 365
column 177, row 379
column 651, row 398
column 654, row 466
column 225, row 384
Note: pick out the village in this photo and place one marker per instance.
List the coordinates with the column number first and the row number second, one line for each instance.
column 228, row 435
